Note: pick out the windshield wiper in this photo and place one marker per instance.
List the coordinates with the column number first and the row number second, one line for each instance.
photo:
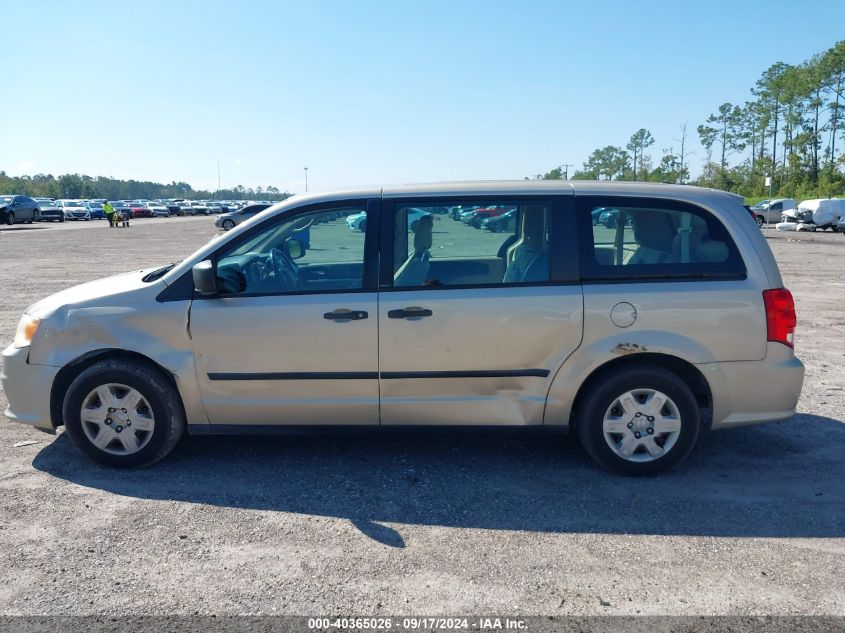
column 158, row 273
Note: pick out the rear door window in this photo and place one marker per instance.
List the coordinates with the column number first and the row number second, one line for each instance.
column 470, row 243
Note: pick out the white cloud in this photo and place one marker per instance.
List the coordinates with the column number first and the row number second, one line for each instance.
column 27, row 167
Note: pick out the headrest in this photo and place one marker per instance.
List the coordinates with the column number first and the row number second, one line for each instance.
column 423, row 237
column 533, row 223
column 653, row 229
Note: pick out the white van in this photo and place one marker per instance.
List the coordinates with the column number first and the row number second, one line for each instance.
column 821, row 213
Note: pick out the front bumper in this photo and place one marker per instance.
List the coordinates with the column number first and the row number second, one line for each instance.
column 27, row 388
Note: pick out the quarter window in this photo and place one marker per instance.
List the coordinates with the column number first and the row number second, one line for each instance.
column 660, row 239
column 459, row 244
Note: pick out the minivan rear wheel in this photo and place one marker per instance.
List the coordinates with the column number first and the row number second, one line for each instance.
column 639, row 420
column 123, row 413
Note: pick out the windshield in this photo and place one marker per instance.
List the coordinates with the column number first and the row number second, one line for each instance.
column 95, row 205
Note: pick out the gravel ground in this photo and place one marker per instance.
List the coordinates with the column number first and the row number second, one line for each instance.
column 422, row 523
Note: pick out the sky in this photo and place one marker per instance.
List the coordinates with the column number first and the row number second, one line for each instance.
column 370, row 93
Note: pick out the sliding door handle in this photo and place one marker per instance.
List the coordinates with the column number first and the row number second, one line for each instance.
column 412, row 312
column 343, row 314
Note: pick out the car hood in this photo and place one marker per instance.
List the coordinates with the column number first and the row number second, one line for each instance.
column 98, row 292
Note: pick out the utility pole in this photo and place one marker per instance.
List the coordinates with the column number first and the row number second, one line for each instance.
column 566, row 167
column 306, row 179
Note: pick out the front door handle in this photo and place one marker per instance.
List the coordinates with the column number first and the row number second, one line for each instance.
column 409, row 313
column 344, row 314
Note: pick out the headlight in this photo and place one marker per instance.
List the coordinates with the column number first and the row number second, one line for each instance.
column 26, row 330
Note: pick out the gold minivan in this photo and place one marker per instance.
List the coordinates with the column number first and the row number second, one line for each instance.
column 637, row 333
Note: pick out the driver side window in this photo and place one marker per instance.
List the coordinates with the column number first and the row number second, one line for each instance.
column 317, row 251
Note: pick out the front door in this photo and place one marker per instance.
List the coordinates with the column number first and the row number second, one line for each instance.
column 476, row 319
column 291, row 337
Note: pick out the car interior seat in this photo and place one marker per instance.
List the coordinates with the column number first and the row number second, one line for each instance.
column 655, row 236
column 528, row 258
column 703, row 246
column 414, row 271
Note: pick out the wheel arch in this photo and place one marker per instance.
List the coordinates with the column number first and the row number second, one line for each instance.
column 685, row 370
column 71, row 370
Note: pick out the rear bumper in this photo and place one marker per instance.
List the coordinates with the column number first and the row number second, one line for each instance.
column 751, row 392
column 27, row 388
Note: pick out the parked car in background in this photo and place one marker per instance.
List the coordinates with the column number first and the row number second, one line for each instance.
column 840, row 225
column 214, row 207
column 456, row 211
column 505, row 223
column 610, row 218
column 49, row 211
column 158, row 209
column 74, row 209
column 173, row 207
column 357, row 221
column 95, row 210
column 480, row 215
column 185, row 208
column 15, row 209
column 139, row 210
column 772, row 211
column 200, row 208
column 228, row 221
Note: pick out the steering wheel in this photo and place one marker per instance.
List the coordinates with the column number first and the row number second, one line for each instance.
column 287, row 272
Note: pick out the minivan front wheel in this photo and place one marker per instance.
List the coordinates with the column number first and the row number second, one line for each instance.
column 123, row 413
column 639, row 420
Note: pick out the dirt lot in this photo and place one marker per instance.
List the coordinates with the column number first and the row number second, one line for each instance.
column 421, row 523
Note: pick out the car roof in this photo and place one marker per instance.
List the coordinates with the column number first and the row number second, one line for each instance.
column 520, row 188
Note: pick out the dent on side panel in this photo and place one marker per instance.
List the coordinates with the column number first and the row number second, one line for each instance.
column 158, row 332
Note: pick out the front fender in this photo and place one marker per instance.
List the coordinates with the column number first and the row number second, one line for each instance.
column 73, row 334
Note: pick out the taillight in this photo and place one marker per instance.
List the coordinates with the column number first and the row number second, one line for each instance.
column 780, row 316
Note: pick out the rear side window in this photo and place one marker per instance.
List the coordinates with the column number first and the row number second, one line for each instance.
column 630, row 238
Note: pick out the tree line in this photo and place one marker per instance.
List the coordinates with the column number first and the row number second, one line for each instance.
column 791, row 131
column 78, row 186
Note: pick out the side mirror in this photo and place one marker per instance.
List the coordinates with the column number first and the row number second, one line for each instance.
column 296, row 248
column 205, row 279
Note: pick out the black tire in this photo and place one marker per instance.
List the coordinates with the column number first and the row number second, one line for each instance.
column 760, row 220
column 62, row 219
column 36, row 216
column 10, row 218
column 228, row 225
column 363, row 226
column 601, row 395
column 156, row 389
